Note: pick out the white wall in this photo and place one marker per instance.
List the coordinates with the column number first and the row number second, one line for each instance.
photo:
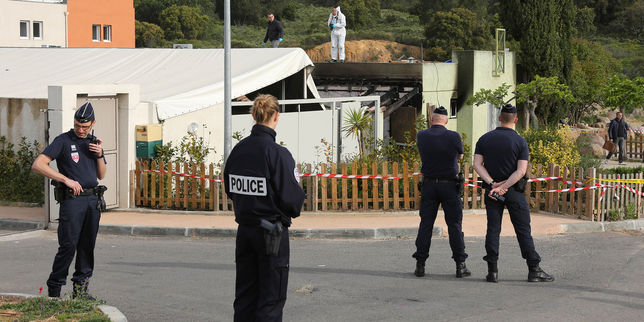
column 51, row 14
column 23, row 118
column 302, row 133
column 439, row 86
column 211, row 128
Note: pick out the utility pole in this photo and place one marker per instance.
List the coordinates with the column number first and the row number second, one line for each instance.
column 228, row 131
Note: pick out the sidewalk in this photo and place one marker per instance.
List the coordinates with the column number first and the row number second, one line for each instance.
column 361, row 225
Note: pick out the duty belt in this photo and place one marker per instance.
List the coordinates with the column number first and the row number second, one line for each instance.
column 439, row 180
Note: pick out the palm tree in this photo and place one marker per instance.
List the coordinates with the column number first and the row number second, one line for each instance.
column 357, row 124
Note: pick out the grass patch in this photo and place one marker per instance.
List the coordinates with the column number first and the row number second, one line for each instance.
column 44, row 308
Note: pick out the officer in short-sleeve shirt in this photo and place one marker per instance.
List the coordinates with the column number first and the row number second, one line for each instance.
column 80, row 164
column 440, row 149
column 261, row 179
column 501, row 160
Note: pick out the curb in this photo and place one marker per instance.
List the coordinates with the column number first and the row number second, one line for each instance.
column 594, row 227
column 15, row 224
column 357, row 233
column 112, row 312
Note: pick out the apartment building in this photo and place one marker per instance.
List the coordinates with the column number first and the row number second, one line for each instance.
column 33, row 23
column 67, row 23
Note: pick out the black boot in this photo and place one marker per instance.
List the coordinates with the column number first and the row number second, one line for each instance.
column 492, row 273
column 53, row 291
column 536, row 274
column 461, row 270
column 420, row 269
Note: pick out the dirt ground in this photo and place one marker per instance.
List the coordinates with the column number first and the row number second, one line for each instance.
column 366, row 51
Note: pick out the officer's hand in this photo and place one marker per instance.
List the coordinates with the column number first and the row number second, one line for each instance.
column 281, row 39
column 332, row 25
column 263, row 43
column 499, row 190
column 74, row 185
column 498, row 184
column 97, row 148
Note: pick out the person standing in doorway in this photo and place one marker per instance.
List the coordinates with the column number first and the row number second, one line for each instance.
column 618, row 132
column 274, row 31
column 337, row 23
column 81, row 163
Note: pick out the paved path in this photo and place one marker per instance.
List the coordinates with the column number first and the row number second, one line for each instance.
column 599, row 278
column 474, row 223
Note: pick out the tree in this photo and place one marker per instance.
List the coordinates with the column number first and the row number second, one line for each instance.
column 592, row 67
column 148, row 35
column 357, row 124
column 545, row 29
column 149, row 10
column 360, row 13
column 183, row 22
column 630, row 22
column 494, row 97
column 624, row 93
column 457, row 29
column 584, row 21
column 546, row 93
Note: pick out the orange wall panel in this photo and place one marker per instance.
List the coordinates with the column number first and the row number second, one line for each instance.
column 85, row 13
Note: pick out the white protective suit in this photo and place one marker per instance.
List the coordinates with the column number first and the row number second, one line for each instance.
column 338, row 33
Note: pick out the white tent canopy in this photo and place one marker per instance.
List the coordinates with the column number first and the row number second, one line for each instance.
column 178, row 81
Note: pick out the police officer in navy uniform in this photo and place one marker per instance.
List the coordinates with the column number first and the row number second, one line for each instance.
column 261, row 179
column 440, row 149
column 501, row 160
column 80, row 160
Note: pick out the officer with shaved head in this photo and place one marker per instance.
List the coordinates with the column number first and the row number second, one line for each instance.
column 440, row 149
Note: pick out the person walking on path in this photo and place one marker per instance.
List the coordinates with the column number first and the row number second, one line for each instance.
column 274, row 32
column 337, row 23
column 440, row 149
column 618, row 132
column 501, row 160
column 262, row 181
column 80, row 159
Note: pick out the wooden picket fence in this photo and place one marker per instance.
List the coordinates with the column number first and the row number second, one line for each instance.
column 164, row 186
column 634, row 146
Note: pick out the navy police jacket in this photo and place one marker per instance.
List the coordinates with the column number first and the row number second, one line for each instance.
column 261, row 179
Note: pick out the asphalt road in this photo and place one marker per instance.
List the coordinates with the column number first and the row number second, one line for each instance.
column 600, row 277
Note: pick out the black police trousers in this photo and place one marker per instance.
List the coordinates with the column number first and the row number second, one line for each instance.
column 520, row 217
column 433, row 195
column 77, row 228
column 261, row 282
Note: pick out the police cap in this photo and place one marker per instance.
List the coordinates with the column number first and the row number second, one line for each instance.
column 440, row 110
column 85, row 113
column 508, row 108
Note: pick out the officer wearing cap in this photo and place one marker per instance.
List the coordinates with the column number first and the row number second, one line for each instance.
column 261, row 179
column 440, row 149
column 501, row 160
column 81, row 163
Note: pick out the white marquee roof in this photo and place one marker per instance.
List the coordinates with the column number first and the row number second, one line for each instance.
column 178, row 81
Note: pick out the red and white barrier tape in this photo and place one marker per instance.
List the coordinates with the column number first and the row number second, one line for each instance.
column 348, row 176
column 637, row 131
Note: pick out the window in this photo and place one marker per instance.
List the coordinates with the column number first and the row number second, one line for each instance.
column 453, row 107
column 24, row 29
column 37, row 30
column 107, row 33
column 96, row 33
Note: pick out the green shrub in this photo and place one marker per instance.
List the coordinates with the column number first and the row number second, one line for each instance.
column 613, row 215
column 552, row 145
column 631, row 211
column 17, row 182
column 624, row 170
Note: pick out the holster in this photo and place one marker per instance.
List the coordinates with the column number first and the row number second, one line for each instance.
column 272, row 236
column 100, row 191
column 460, row 183
column 59, row 190
column 520, row 185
